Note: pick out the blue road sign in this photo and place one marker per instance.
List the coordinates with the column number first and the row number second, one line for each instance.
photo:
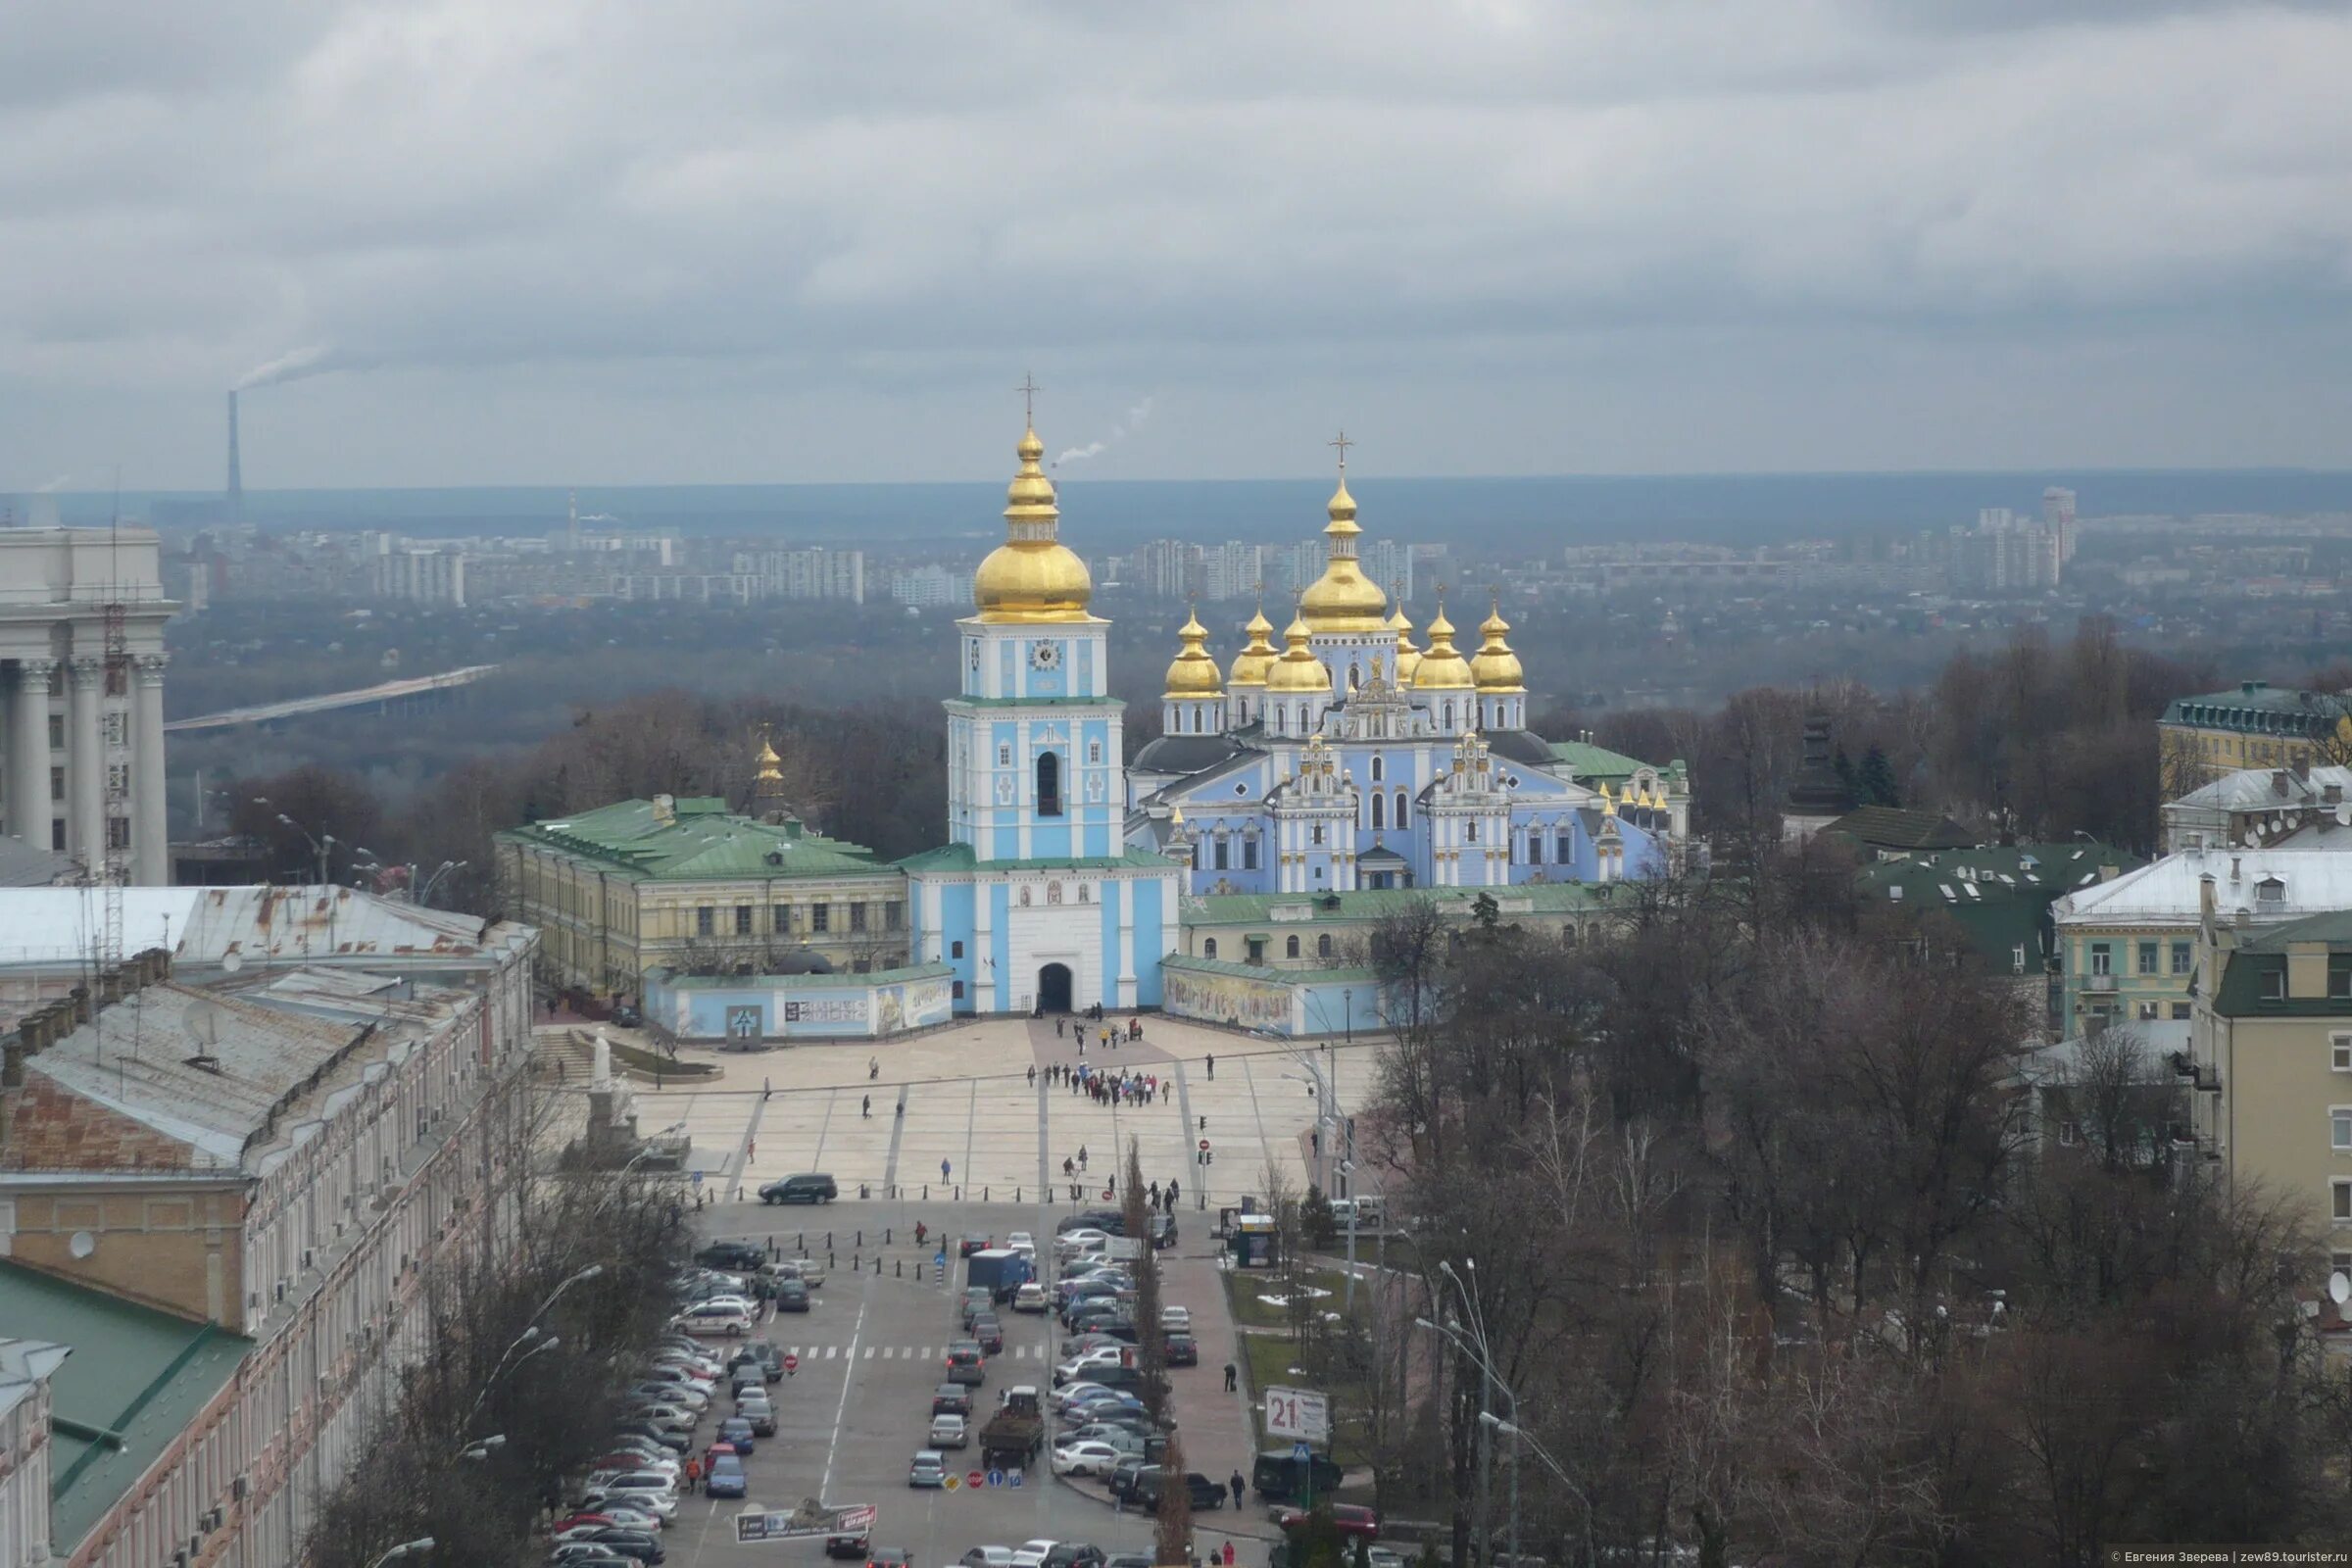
column 938, row 1259
column 1014, row 1480
column 698, row 1178
column 1302, row 1452
column 996, row 1478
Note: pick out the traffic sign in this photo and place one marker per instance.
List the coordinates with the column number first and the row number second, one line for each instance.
column 953, row 1482
column 1302, row 1452
column 996, row 1478
column 1300, row 1414
column 698, row 1178
column 792, row 1363
column 1014, row 1479
column 939, row 1260
column 1204, row 1149
column 975, row 1479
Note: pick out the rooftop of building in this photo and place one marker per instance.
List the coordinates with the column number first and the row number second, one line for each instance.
column 2039, row 871
column 2306, row 882
column 135, row 1379
column 1592, row 765
column 695, row 838
column 212, row 926
column 1373, row 904
column 825, row 981
column 2266, row 789
column 1895, row 829
column 2257, row 705
column 964, row 857
column 2256, row 977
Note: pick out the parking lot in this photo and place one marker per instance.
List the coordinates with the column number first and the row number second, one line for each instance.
column 871, row 1351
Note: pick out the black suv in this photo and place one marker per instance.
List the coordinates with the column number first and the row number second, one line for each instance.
column 1146, row 1489
column 762, row 1356
column 733, row 1256
column 951, row 1398
column 809, row 1187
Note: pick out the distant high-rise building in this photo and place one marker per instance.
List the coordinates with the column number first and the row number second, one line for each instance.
column 932, row 588
column 1168, row 568
column 2005, row 553
column 1390, row 564
column 1231, row 570
column 2058, row 515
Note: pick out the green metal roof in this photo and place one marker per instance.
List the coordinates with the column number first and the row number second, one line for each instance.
column 801, row 982
column 2257, row 707
column 703, row 841
column 1373, row 904
column 135, row 1380
column 2000, row 894
column 962, row 857
column 1585, row 761
column 2241, row 993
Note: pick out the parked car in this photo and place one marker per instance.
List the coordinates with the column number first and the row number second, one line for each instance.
column 1087, row 1457
column 988, row 1333
column 588, row 1554
column 951, row 1398
column 792, row 1296
column 725, row 1478
column 711, row 1318
column 760, row 1414
column 1279, row 1478
column 736, row 1432
column 1182, row 1350
column 809, row 1187
column 1073, row 1554
column 733, row 1255
column 949, row 1432
column 929, row 1469
column 1022, row 1242
column 1350, row 1519
column 968, row 1245
column 638, row 1546
column 1030, row 1297
column 760, row 1354
column 1176, row 1320
column 1202, row 1491
column 986, row 1557
column 1030, row 1553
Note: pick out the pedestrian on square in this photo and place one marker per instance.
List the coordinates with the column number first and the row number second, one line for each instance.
column 1156, row 1194
column 1172, row 1194
column 1059, row 1022
column 1229, row 1554
column 1236, row 1482
column 868, row 1108
column 944, row 1169
column 1233, row 1378
column 874, row 1069
column 1081, row 1156
column 693, row 1472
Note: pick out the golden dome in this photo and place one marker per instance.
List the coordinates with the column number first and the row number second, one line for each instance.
column 1250, row 664
column 1297, row 671
column 771, row 767
column 1495, row 669
column 1408, row 657
column 1342, row 599
column 1194, row 673
column 1442, row 668
column 1031, row 577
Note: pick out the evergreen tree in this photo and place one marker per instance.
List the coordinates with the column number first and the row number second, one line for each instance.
column 1875, row 781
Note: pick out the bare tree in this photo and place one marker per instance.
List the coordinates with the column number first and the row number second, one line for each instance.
column 1151, row 1338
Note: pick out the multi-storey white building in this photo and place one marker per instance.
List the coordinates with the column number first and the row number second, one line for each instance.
column 81, row 634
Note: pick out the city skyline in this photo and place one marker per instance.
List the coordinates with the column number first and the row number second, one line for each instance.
column 1614, row 240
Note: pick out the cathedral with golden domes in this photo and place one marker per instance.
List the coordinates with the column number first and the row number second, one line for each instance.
column 1349, row 759
column 1346, row 759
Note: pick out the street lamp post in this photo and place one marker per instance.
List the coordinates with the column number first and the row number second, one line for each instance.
column 531, row 1337
column 320, row 846
column 1484, row 1355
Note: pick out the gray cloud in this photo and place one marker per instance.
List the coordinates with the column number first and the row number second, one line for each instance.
column 580, row 224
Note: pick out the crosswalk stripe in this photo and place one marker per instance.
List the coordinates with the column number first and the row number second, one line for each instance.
column 831, row 1350
column 869, row 1352
column 889, row 1352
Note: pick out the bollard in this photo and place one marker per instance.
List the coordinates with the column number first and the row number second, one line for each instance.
column 863, row 1191
column 960, row 1195
column 828, row 1240
column 771, row 1246
column 857, row 1264
column 984, row 1195
column 926, row 1191
column 861, row 1236
column 802, row 1244
column 877, row 1266
column 1016, row 1195
column 831, row 1262
column 886, row 1229
column 900, row 1272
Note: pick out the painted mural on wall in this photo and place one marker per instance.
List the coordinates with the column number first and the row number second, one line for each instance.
column 1227, row 998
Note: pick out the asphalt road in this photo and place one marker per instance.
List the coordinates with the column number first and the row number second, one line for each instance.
column 871, row 1350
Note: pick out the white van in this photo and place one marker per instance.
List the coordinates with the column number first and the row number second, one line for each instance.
column 714, row 1318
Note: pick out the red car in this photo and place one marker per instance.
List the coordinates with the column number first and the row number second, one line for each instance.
column 1351, row 1520
column 578, row 1519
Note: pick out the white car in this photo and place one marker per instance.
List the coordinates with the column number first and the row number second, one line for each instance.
column 986, row 1557
column 1022, row 1242
column 663, row 1505
column 1031, row 1553
column 1077, row 1367
column 709, row 1319
column 1030, row 1297
column 1085, row 1238
column 1087, row 1458
column 674, row 1416
column 1176, row 1320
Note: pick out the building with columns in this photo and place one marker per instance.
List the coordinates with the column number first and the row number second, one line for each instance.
column 82, row 644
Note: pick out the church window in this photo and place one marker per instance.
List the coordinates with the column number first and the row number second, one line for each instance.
column 820, row 917
column 1197, row 720
column 1323, row 946
column 1280, row 727
column 1561, row 849
column 1380, row 803
column 1249, row 854
column 1449, row 715
column 1470, row 832
column 1094, row 750
column 857, row 916
column 1289, row 948
column 742, row 919
column 1351, row 678
column 1534, row 846
column 954, row 950
column 1049, row 784
column 957, row 984
column 1315, row 833
column 1400, row 808
column 1376, row 769
column 1218, row 855
column 1209, row 946
column 1004, row 756
column 705, row 919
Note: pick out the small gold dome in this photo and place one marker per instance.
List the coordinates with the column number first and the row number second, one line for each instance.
column 1194, row 673
column 1250, row 664
column 1297, row 671
column 771, row 767
column 1031, row 577
column 1442, row 668
column 1495, row 669
column 1342, row 599
column 1408, row 657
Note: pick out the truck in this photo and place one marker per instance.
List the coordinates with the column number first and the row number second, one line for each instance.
column 999, row 1271
column 1015, row 1433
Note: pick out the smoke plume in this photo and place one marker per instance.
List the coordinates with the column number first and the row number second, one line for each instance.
column 316, row 358
column 1120, row 432
column 52, row 486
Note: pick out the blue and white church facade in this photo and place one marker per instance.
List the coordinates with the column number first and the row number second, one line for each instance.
column 1039, row 900
column 1348, row 759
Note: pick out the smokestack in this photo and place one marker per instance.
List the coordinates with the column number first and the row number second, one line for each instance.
column 236, row 501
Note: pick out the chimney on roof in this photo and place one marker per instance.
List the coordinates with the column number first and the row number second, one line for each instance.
column 81, row 996
column 2234, row 863
column 666, row 809
column 2278, row 783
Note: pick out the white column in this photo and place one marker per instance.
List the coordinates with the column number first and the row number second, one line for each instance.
column 85, row 782
column 151, row 849
column 29, row 809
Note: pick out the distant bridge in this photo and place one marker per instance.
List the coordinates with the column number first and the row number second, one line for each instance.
column 416, row 689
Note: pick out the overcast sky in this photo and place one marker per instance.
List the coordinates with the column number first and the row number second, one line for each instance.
column 699, row 240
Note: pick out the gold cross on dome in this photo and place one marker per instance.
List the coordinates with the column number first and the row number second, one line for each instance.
column 1028, row 389
column 1343, row 443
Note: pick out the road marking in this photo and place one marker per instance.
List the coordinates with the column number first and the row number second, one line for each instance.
column 869, row 1352
column 889, row 1352
column 841, row 1410
column 831, row 1349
